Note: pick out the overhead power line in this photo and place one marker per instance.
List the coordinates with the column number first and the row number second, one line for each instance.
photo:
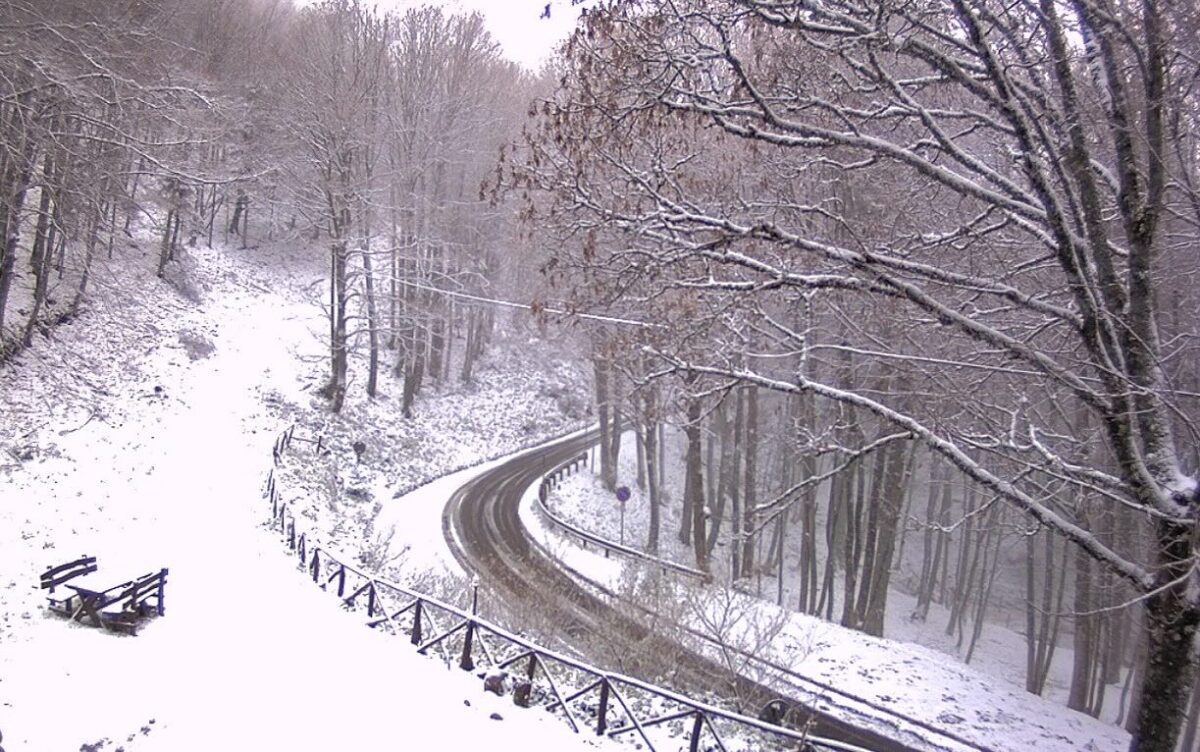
column 532, row 308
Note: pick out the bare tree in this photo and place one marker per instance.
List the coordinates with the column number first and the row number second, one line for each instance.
column 1000, row 174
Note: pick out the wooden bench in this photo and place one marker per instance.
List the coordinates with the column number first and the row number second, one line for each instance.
column 126, row 609
column 60, row 575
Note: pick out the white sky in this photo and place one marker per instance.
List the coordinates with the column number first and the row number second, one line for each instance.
column 516, row 24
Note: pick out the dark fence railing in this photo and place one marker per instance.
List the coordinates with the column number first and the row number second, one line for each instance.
column 587, row 698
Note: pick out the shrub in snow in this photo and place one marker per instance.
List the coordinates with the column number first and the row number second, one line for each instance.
column 196, row 345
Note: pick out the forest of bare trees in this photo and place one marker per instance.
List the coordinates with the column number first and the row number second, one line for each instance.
column 370, row 133
column 923, row 275
column 918, row 280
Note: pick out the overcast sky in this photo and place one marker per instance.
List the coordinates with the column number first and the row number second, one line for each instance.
column 516, row 24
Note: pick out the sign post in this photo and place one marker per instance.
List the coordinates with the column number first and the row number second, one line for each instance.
column 622, row 497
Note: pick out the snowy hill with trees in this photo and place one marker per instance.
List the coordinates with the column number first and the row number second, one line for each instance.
column 892, row 305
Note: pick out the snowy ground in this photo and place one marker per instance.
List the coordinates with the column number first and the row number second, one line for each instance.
column 141, row 433
column 909, row 674
column 144, row 439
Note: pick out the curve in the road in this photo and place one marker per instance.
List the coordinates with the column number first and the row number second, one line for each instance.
column 483, row 528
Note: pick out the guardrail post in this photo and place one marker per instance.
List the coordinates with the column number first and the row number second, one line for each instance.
column 467, row 663
column 341, row 575
column 602, row 713
column 416, row 629
column 697, row 729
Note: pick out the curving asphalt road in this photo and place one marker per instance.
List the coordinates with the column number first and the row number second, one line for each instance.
column 483, row 528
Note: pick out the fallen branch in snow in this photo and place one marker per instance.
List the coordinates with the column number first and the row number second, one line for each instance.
column 91, row 414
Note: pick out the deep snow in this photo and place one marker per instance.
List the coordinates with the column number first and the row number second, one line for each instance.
column 114, row 441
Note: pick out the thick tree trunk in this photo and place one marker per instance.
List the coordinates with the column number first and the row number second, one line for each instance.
column 891, row 501
column 852, row 544
column 41, row 250
column 718, row 477
column 339, row 348
column 89, row 256
column 803, row 409
column 13, row 236
column 933, row 539
column 614, row 432
column 840, row 489
column 870, row 541
column 600, row 374
column 735, row 485
column 749, row 488
column 1172, row 619
column 1083, row 662
column 963, row 574
column 694, row 482
column 372, row 321
column 653, row 490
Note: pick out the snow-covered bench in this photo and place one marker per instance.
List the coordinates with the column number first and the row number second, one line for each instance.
column 60, row 575
column 126, row 609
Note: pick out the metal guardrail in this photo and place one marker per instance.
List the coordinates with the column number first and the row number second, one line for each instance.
column 552, row 479
column 609, row 704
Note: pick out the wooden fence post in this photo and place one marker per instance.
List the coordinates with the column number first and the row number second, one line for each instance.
column 416, row 629
column 602, row 713
column 697, row 729
column 371, row 600
column 467, row 663
column 303, row 550
column 316, row 565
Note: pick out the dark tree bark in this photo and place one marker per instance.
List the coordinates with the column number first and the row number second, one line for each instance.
column 693, row 491
column 749, row 487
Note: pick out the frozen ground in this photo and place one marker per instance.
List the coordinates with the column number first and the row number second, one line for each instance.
column 916, row 673
column 141, row 433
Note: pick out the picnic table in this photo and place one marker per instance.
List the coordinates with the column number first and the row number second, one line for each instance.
column 121, row 606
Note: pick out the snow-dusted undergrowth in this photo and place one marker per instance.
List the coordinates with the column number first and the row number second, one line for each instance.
column 916, row 673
